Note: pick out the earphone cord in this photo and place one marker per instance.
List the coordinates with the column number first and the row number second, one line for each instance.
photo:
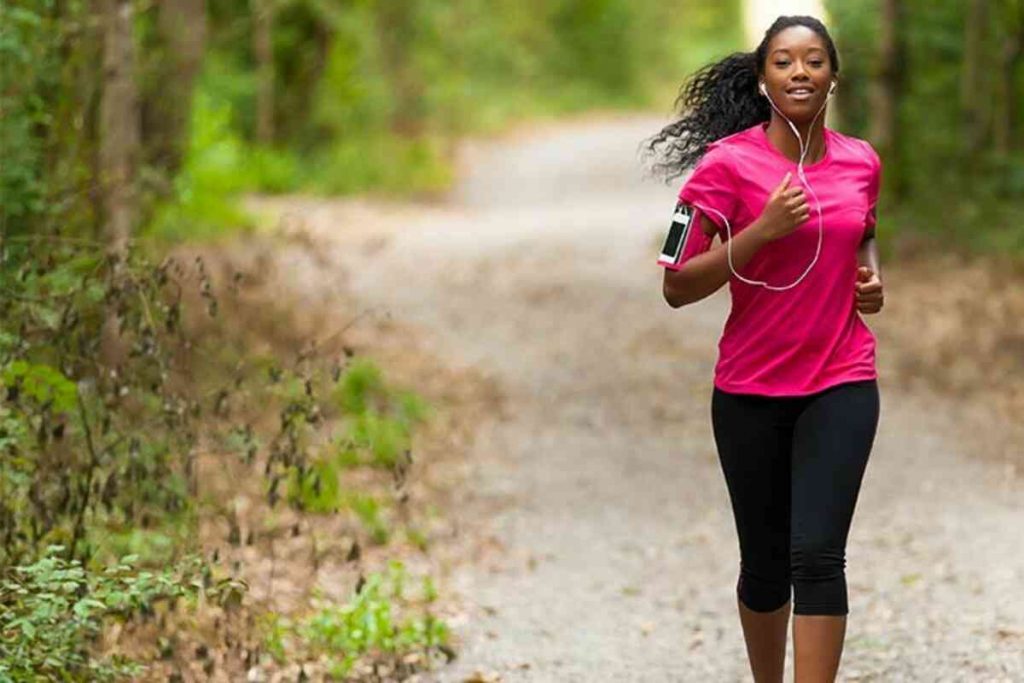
column 800, row 171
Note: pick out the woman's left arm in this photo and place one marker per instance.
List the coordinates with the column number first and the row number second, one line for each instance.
column 869, row 275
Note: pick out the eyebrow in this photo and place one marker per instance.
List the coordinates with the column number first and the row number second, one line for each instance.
column 786, row 49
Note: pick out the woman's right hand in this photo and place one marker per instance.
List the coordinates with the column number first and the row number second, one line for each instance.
column 786, row 209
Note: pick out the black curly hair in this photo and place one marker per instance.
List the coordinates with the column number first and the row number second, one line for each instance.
column 721, row 99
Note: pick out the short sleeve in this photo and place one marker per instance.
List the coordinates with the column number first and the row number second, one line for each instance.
column 874, row 186
column 711, row 187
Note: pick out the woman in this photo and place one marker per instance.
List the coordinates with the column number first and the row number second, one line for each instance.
column 795, row 402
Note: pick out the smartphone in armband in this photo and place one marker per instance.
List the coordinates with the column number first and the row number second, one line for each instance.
column 682, row 219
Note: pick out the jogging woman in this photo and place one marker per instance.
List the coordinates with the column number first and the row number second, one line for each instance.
column 795, row 403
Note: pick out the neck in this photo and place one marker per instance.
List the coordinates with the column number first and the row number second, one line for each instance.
column 781, row 136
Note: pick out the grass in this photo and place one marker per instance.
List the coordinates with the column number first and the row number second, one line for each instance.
column 382, row 617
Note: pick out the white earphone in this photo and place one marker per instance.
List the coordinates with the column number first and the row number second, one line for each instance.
column 800, row 171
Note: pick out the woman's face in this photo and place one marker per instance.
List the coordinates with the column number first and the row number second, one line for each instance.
column 797, row 72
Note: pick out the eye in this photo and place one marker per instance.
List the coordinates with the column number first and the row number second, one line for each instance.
column 781, row 64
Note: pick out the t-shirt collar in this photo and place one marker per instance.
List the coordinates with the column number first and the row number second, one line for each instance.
column 762, row 136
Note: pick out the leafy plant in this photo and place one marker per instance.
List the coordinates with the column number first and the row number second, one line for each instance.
column 366, row 624
column 52, row 610
column 381, row 437
column 99, row 454
column 360, row 387
column 370, row 511
column 316, row 489
column 86, row 439
column 380, row 418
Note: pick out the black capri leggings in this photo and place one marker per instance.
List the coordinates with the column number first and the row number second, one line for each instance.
column 793, row 466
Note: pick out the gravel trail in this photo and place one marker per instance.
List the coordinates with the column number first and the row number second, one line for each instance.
column 615, row 555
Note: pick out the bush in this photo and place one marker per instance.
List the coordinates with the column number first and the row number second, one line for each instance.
column 52, row 610
column 343, row 635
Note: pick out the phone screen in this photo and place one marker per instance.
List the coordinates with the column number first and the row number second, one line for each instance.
column 677, row 234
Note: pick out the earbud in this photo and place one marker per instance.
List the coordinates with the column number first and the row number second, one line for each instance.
column 763, row 89
column 832, row 87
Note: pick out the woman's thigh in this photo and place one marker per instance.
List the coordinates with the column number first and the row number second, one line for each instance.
column 832, row 440
column 754, row 444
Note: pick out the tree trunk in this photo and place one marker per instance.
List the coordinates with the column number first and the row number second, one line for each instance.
column 118, row 147
column 119, row 123
column 1007, row 96
column 397, row 27
column 886, row 92
column 182, row 28
column 263, row 54
column 973, row 83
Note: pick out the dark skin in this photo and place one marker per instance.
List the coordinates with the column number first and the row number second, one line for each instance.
column 797, row 57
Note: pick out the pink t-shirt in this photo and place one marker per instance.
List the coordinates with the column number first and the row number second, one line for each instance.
column 811, row 336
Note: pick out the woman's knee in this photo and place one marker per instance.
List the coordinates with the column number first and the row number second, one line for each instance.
column 766, row 590
column 819, row 579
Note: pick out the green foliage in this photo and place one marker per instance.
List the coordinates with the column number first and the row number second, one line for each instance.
column 344, row 634
column 43, row 133
column 26, row 67
column 80, row 443
column 214, row 173
column 99, row 458
column 381, row 437
column 370, row 512
column 360, row 386
column 380, row 418
column 362, row 389
column 103, row 387
column 41, row 384
column 316, row 489
column 377, row 422
column 417, row 538
column 52, row 609
column 381, row 163
column 947, row 175
column 369, row 96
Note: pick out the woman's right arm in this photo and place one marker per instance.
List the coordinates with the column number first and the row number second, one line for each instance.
column 703, row 274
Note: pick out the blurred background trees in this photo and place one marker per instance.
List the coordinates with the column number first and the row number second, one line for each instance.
column 938, row 87
column 199, row 99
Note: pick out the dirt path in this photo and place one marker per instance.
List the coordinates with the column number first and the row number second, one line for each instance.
column 615, row 556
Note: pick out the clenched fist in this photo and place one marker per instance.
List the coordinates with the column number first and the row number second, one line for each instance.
column 785, row 209
column 869, row 291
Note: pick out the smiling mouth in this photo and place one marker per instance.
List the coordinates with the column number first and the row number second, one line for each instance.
column 800, row 93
